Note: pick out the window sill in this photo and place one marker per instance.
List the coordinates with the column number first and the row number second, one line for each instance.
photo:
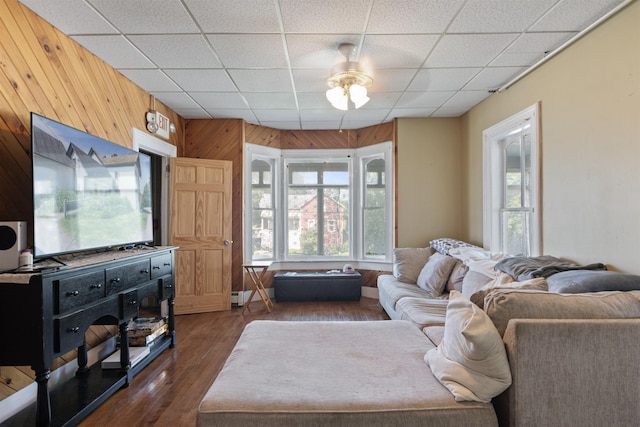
column 329, row 265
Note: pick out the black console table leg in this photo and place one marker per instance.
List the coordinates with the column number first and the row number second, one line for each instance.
column 172, row 322
column 82, row 359
column 125, row 363
column 43, row 404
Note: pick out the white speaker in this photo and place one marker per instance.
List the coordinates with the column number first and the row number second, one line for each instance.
column 13, row 239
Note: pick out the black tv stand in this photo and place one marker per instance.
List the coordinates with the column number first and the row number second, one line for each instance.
column 45, row 315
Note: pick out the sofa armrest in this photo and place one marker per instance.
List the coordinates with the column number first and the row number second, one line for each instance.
column 571, row 372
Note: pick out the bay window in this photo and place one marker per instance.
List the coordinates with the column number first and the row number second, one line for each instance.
column 318, row 205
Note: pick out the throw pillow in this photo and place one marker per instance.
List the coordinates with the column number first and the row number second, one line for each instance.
column 473, row 281
column 457, row 276
column 537, row 284
column 408, row 262
column 471, row 360
column 435, row 273
column 579, row 281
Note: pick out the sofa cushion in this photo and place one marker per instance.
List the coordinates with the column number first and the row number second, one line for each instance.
column 579, row 281
column 392, row 290
column 471, row 360
column 457, row 276
column 434, row 275
column 538, row 284
column 422, row 311
column 503, row 305
column 435, row 333
column 473, row 281
column 408, row 262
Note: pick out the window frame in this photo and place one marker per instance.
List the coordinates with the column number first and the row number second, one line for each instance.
column 493, row 179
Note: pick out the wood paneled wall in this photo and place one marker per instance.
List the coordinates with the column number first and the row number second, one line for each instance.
column 223, row 139
column 44, row 71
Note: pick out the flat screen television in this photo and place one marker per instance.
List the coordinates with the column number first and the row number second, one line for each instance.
column 88, row 193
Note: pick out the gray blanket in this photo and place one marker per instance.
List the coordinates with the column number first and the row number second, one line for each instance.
column 525, row 268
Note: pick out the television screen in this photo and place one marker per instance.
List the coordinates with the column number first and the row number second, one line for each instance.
column 88, row 193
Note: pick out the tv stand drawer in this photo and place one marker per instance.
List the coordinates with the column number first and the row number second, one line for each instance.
column 76, row 291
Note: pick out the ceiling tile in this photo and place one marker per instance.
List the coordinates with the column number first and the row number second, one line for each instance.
column 312, row 100
column 175, row 100
column 193, row 113
column 539, row 42
column 424, row 99
column 276, row 115
column 212, row 100
column 285, row 125
column 389, row 51
column 318, row 50
column 223, row 113
column 364, row 115
column 321, row 125
column 359, row 124
column 177, row 50
column 249, row 50
column 388, row 80
column 493, row 78
column 116, row 51
column 529, row 48
column 151, row 80
column 411, row 112
column 517, row 59
column 412, row 16
column 574, row 15
column 277, row 100
column 144, row 17
column 382, row 100
column 261, row 80
column 327, row 16
column 311, row 80
column 498, row 16
column 442, row 79
column 225, row 16
column 321, row 115
column 71, row 16
column 462, row 100
column 202, row 80
column 468, row 50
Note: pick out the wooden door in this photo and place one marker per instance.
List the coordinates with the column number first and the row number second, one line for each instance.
column 200, row 225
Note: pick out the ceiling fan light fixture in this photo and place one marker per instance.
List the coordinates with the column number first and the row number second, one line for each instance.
column 348, row 82
column 358, row 95
column 338, row 98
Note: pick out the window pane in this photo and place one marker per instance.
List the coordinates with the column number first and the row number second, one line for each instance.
column 321, row 214
column 262, row 227
column 374, row 218
column 515, row 232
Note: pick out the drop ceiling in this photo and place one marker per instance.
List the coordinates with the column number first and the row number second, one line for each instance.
column 267, row 61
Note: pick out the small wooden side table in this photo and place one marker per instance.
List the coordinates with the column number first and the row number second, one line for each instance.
column 257, row 273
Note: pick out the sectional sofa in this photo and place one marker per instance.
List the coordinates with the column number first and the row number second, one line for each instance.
column 558, row 321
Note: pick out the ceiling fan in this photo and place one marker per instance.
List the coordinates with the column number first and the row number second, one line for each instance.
column 348, row 81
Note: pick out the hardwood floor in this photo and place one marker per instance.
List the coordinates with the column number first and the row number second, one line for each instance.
column 169, row 390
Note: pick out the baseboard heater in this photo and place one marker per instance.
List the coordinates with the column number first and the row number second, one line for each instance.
column 237, row 298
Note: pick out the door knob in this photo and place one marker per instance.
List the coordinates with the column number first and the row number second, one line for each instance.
column 227, row 242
